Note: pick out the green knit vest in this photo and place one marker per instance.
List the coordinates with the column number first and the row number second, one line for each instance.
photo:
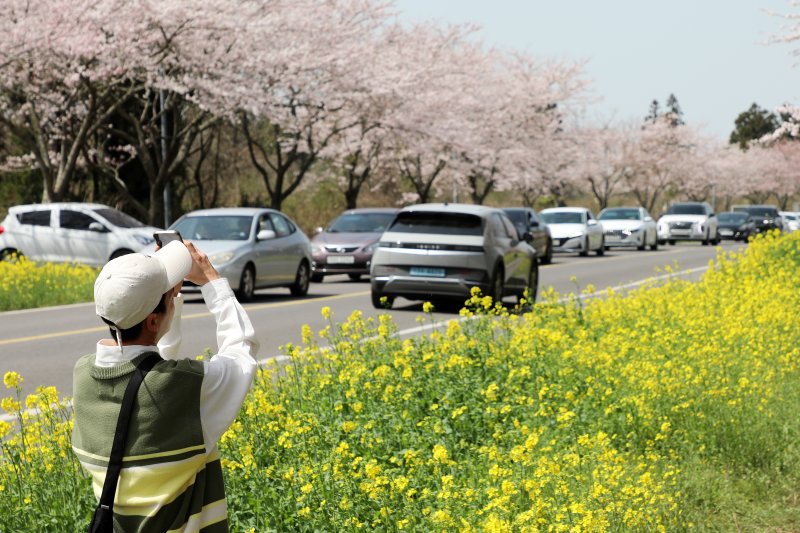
column 168, row 481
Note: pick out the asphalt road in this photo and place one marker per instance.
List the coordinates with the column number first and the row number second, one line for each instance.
column 43, row 344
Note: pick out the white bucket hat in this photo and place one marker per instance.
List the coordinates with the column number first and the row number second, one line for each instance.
column 130, row 287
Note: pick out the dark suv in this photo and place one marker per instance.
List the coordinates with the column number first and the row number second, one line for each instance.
column 765, row 217
column 526, row 220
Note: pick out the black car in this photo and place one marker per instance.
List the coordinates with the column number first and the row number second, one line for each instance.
column 527, row 220
column 765, row 217
column 736, row 225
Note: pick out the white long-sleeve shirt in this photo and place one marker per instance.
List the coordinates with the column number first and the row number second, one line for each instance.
column 228, row 374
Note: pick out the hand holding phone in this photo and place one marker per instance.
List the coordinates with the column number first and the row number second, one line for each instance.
column 165, row 237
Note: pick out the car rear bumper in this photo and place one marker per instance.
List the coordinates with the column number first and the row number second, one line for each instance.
column 422, row 288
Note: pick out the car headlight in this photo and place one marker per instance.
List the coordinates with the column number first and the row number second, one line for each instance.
column 143, row 239
column 316, row 248
column 221, row 258
column 372, row 247
column 631, row 231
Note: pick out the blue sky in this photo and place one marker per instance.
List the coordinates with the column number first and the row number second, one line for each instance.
column 709, row 53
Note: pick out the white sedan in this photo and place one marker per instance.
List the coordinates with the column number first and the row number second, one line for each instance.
column 574, row 229
column 629, row 227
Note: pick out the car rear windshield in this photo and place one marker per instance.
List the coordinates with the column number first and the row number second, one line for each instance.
column 686, row 209
column 563, row 217
column 619, row 214
column 118, row 218
column 361, row 223
column 215, row 228
column 439, row 223
column 736, row 218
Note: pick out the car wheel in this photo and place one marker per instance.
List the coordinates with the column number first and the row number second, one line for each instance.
column 643, row 246
column 9, row 253
column 602, row 249
column 585, row 251
column 317, row 277
column 672, row 242
column 377, row 296
column 120, row 253
column 532, row 288
column 654, row 246
column 301, row 280
column 717, row 239
column 354, row 277
column 496, row 288
column 548, row 256
column 247, row 284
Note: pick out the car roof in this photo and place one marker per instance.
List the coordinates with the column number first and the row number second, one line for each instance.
column 623, row 207
column 564, row 209
column 360, row 210
column 467, row 209
column 59, row 205
column 241, row 211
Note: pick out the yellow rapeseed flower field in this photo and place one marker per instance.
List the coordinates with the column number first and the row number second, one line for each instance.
column 672, row 408
column 25, row 284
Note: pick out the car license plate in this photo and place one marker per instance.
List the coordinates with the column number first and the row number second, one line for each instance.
column 680, row 231
column 341, row 259
column 725, row 232
column 427, row 271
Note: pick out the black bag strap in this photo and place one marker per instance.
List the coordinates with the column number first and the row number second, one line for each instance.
column 121, row 433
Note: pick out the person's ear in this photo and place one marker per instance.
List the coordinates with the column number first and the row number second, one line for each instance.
column 152, row 322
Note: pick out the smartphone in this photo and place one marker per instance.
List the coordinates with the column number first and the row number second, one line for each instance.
column 164, row 237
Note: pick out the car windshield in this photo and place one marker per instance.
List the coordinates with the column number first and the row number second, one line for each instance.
column 118, row 218
column 735, row 218
column 517, row 216
column 762, row 212
column 563, row 217
column 686, row 209
column 215, row 227
column 361, row 223
column 439, row 223
column 619, row 214
column 790, row 217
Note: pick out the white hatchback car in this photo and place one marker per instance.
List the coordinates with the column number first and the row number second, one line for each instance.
column 574, row 229
column 72, row 232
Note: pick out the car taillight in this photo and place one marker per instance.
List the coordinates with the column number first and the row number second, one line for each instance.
column 2, row 229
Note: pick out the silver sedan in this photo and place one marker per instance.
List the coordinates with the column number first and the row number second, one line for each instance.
column 253, row 248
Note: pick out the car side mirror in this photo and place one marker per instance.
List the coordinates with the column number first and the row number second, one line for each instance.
column 591, row 222
column 527, row 237
column 648, row 219
column 534, row 223
column 318, row 230
column 98, row 227
column 265, row 235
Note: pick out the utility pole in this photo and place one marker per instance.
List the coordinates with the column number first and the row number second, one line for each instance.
column 167, row 197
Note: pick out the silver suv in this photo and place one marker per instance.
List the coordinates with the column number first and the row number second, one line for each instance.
column 438, row 252
column 72, row 232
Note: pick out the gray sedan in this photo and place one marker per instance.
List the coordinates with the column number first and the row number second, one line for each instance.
column 253, row 248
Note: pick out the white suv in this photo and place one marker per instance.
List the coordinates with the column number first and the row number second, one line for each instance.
column 72, row 232
column 688, row 221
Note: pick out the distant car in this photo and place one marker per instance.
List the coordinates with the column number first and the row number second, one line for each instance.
column 629, row 227
column 253, row 248
column 736, row 225
column 765, row 217
column 574, row 229
column 791, row 220
column 347, row 244
column 441, row 251
column 688, row 221
column 527, row 220
column 91, row 234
